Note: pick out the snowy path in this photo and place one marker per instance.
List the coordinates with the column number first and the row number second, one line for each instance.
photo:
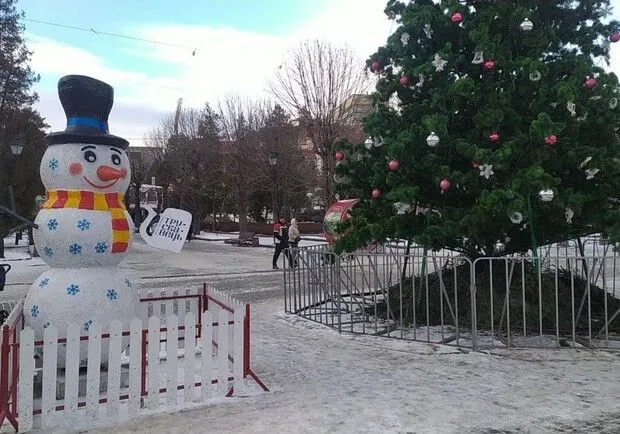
column 324, row 382
column 321, row 381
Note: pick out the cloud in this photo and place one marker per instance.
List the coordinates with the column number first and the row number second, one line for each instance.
column 227, row 60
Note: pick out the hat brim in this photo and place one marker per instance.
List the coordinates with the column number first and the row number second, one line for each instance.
column 63, row 137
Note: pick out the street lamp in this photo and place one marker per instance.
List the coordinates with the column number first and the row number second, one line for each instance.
column 17, row 147
column 273, row 161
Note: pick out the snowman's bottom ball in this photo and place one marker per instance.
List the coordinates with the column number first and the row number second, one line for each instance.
column 81, row 296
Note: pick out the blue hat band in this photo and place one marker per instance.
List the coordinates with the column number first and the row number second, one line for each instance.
column 88, row 122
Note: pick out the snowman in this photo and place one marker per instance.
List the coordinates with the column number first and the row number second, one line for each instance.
column 84, row 230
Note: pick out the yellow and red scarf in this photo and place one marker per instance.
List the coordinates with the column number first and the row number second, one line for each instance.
column 111, row 202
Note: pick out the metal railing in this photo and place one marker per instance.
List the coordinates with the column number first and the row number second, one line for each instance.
column 566, row 296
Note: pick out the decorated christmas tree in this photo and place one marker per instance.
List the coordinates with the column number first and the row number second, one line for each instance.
column 495, row 128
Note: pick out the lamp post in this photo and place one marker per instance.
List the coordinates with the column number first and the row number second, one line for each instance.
column 16, row 149
column 273, row 162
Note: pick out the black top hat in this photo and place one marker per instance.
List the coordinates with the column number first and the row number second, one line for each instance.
column 87, row 103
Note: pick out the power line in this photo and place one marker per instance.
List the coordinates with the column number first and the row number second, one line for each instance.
column 115, row 35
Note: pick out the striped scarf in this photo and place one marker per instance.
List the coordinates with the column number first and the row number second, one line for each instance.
column 111, row 202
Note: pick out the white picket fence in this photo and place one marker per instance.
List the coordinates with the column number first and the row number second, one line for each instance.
column 183, row 354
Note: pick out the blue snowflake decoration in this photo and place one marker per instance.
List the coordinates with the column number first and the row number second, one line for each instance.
column 47, row 251
column 101, row 247
column 128, row 283
column 87, row 324
column 73, row 289
column 46, row 325
column 83, row 225
column 112, row 294
column 52, row 224
column 34, row 311
column 53, row 164
column 44, row 282
column 75, row 249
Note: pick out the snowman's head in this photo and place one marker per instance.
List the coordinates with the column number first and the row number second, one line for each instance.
column 82, row 166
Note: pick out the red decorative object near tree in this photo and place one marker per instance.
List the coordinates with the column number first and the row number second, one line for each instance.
column 393, row 165
column 376, row 66
column 494, row 137
column 339, row 156
column 551, row 140
column 456, row 17
column 444, row 185
column 590, row 82
column 376, row 193
column 404, row 80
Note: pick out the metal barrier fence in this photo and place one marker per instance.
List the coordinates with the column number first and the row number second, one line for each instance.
column 556, row 299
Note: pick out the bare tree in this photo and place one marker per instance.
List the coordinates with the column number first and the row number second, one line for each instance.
column 316, row 82
column 240, row 120
column 189, row 159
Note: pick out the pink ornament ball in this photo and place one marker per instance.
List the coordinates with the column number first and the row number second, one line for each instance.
column 489, row 64
column 393, row 165
column 376, row 66
column 456, row 17
column 444, row 185
column 404, row 80
column 551, row 140
column 590, row 82
column 376, row 193
column 614, row 37
column 494, row 137
column 339, row 156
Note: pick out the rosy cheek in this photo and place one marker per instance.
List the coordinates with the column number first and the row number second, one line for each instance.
column 75, row 169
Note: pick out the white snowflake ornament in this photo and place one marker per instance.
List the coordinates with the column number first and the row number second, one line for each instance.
column 590, row 173
column 486, row 170
column 439, row 63
column 404, row 38
column 402, row 208
column 569, row 214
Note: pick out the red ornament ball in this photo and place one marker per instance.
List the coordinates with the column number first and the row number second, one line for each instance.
column 551, row 140
column 615, row 36
column 376, row 193
column 339, row 156
column 488, row 65
column 444, row 185
column 376, row 66
column 393, row 165
column 404, row 80
column 475, row 164
column 494, row 137
column 590, row 82
column 456, row 17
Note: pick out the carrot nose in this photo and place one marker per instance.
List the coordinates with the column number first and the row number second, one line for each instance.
column 107, row 173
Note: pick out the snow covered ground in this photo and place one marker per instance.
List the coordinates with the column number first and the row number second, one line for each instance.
column 321, row 381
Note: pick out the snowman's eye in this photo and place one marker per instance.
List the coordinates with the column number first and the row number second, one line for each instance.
column 90, row 156
column 116, row 159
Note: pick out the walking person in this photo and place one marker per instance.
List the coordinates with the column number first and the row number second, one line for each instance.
column 280, row 238
column 293, row 242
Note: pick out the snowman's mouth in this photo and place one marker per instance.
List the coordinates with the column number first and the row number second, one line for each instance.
column 101, row 186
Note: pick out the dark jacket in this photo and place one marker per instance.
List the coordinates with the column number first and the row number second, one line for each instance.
column 280, row 234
